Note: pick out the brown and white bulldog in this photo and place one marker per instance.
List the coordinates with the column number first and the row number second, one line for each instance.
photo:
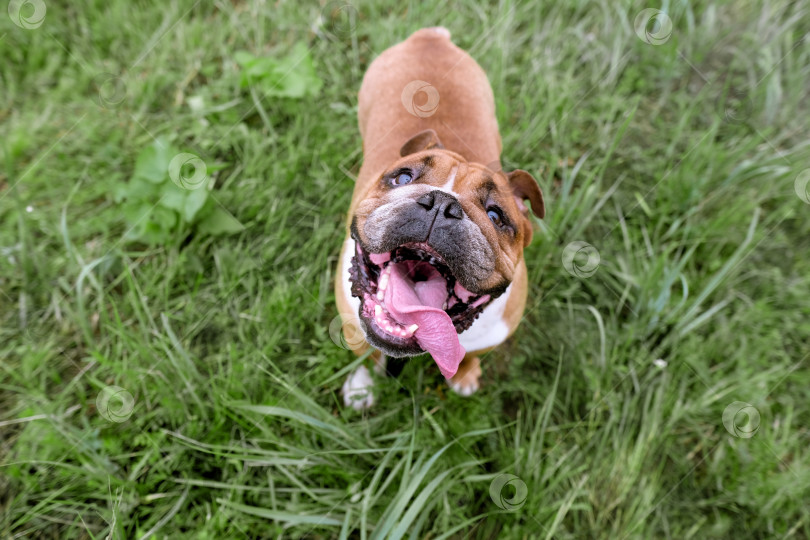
column 433, row 257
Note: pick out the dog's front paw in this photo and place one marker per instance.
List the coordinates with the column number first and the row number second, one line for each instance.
column 466, row 388
column 357, row 389
column 465, row 381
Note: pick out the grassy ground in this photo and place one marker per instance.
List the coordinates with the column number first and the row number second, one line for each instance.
column 680, row 161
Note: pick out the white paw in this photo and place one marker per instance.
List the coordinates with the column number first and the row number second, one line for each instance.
column 464, row 388
column 357, row 389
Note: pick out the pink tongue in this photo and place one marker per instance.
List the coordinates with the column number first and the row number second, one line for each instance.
column 420, row 303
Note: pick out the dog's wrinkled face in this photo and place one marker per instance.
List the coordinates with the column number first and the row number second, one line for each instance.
column 436, row 234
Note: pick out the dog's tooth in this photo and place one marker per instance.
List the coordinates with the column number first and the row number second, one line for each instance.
column 377, row 310
column 380, row 295
column 389, row 328
column 413, row 328
column 444, row 306
column 383, row 282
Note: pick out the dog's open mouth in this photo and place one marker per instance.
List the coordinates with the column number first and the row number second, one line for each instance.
column 411, row 303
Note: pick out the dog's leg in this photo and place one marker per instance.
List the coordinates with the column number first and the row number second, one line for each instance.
column 380, row 362
column 465, row 381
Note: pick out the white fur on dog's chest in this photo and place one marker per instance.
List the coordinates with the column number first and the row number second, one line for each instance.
column 488, row 330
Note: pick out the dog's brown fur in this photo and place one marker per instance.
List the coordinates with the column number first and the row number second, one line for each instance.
column 462, row 132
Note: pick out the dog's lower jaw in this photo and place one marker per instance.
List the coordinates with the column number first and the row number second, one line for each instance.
column 489, row 330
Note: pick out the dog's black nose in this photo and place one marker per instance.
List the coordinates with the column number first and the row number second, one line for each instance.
column 427, row 200
column 447, row 205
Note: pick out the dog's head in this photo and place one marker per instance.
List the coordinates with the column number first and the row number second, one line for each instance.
column 437, row 239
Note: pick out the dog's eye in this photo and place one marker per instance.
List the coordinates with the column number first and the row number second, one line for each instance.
column 404, row 177
column 495, row 216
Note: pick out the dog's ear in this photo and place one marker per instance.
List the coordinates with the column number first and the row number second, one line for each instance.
column 424, row 140
column 525, row 188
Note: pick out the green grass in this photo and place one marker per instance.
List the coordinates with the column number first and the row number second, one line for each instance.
column 238, row 428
